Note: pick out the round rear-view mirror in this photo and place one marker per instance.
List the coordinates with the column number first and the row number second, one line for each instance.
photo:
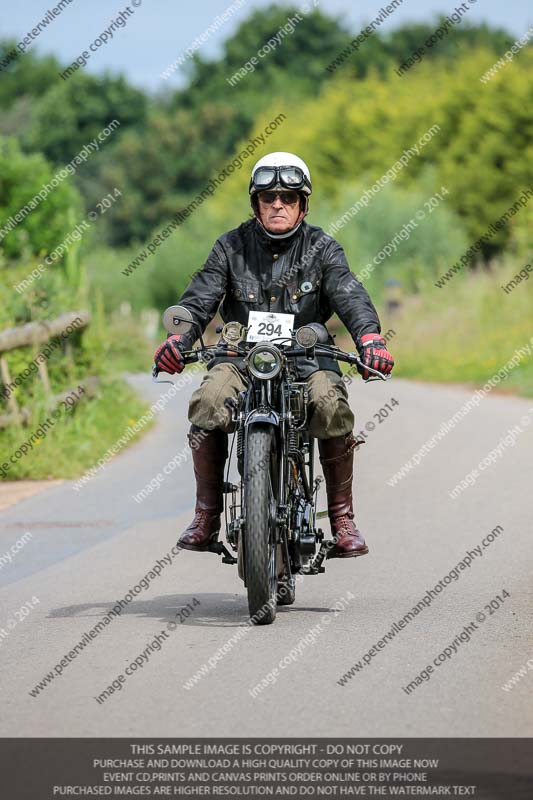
column 177, row 319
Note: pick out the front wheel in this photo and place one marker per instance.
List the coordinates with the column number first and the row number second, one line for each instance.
column 260, row 548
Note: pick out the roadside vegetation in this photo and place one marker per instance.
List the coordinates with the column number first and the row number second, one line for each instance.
column 161, row 151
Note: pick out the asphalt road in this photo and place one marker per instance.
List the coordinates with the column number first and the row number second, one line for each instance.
column 89, row 548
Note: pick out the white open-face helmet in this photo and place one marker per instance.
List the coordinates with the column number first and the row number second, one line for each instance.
column 280, row 171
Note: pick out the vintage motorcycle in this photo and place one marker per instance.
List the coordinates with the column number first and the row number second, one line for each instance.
column 271, row 519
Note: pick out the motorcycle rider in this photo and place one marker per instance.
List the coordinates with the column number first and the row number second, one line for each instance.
column 279, row 263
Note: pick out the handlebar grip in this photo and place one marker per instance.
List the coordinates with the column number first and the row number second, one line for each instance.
column 374, row 374
column 187, row 359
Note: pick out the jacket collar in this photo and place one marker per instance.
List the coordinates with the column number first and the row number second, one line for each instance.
column 276, row 245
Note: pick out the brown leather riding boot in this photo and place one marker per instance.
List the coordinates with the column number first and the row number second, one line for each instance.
column 336, row 457
column 209, row 452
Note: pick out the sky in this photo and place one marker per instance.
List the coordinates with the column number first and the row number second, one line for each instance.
column 157, row 32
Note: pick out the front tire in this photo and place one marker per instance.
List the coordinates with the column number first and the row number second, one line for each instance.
column 260, row 548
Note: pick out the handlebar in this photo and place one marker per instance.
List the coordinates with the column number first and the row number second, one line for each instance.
column 214, row 351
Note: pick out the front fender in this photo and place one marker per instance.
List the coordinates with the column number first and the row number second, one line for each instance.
column 262, row 417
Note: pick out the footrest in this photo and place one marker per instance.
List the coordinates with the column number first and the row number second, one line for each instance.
column 315, row 567
column 310, row 570
column 221, row 550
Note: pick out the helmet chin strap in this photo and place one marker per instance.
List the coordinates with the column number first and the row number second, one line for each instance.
column 279, row 236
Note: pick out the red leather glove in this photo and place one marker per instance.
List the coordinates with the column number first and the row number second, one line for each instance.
column 373, row 351
column 168, row 357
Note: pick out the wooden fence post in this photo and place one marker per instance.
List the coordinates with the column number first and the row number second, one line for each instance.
column 6, row 380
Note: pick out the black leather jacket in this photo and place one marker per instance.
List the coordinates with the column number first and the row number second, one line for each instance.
column 306, row 275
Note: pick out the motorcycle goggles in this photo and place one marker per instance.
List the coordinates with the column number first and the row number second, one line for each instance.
column 288, row 177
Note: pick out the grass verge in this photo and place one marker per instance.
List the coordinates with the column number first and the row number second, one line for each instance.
column 467, row 331
column 79, row 437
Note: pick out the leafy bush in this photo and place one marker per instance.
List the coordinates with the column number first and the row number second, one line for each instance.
column 22, row 177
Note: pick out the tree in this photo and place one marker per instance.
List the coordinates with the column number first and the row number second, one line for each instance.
column 161, row 169
column 482, row 151
column 44, row 227
column 75, row 111
column 28, row 75
column 293, row 68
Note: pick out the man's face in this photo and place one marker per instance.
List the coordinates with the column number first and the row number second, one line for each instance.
column 279, row 211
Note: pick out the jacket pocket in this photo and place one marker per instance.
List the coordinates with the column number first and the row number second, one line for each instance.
column 305, row 286
column 247, row 291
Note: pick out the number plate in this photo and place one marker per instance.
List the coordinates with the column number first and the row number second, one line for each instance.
column 263, row 326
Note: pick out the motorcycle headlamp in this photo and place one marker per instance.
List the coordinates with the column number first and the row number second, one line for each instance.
column 264, row 362
column 287, row 177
